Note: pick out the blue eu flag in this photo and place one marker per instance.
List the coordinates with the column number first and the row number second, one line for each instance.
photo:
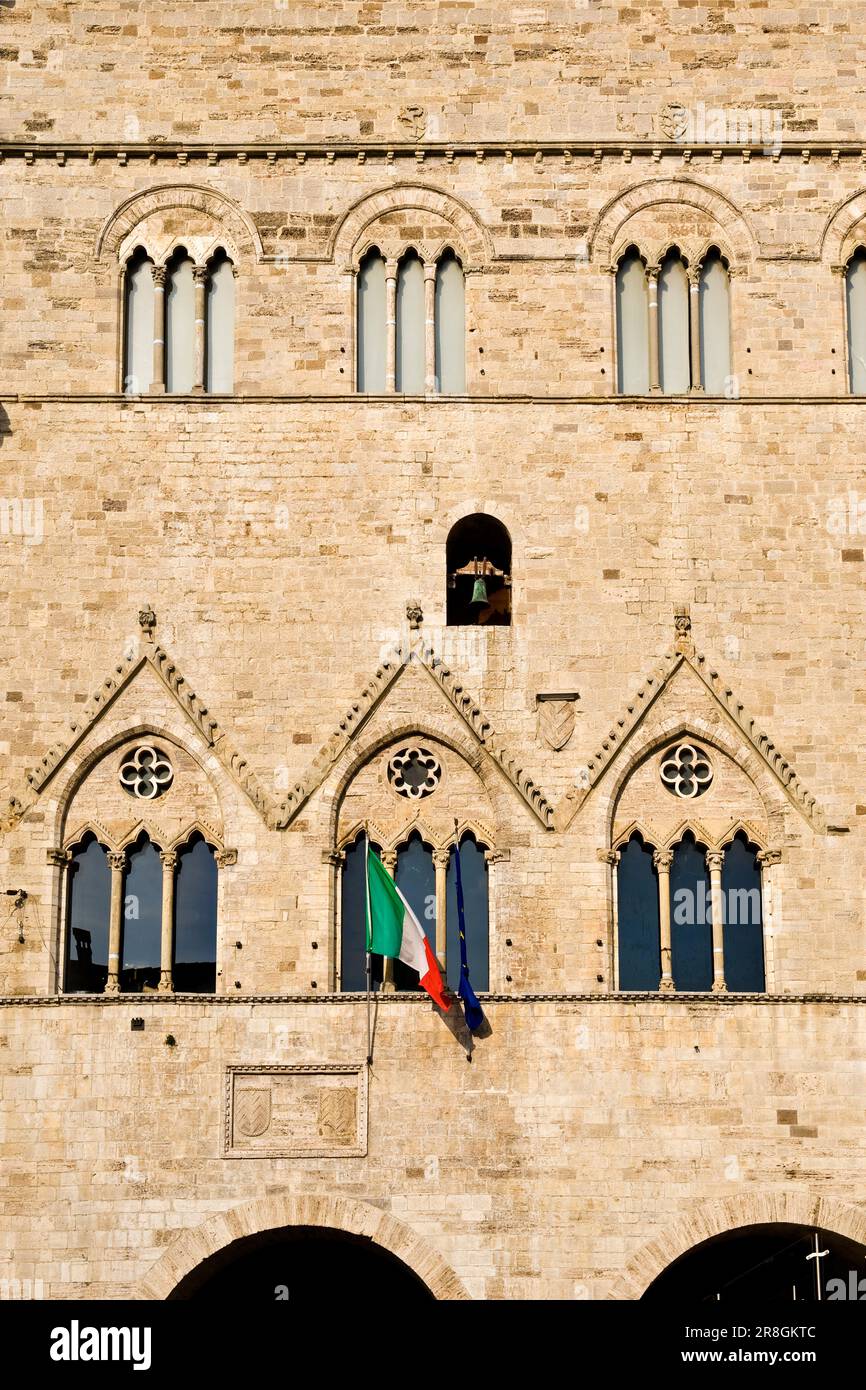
column 472, row 1010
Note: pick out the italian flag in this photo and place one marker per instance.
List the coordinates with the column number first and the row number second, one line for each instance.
column 394, row 930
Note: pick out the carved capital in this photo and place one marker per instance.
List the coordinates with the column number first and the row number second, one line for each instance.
column 441, row 857
column 226, row 858
column 389, row 859
column 58, row 856
column 662, row 860
column 116, row 860
column 334, row 857
column 168, row 859
column 768, row 857
column 200, row 274
column 159, row 277
column 496, row 856
column 607, row 856
column 715, row 860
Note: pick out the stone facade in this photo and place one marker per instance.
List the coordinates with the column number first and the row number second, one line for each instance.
column 230, row 576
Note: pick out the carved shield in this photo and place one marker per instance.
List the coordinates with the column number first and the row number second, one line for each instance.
column 673, row 120
column 253, row 1110
column 337, row 1114
column 556, row 722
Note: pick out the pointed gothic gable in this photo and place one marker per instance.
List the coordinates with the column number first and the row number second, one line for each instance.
column 170, row 678
column 420, row 658
column 722, row 698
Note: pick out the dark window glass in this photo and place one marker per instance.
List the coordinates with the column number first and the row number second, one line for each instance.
column 473, row 868
column 638, row 917
column 744, row 935
column 195, row 918
column 89, row 906
column 691, row 924
column 142, row 918
column 416, row 879
column 353, row 933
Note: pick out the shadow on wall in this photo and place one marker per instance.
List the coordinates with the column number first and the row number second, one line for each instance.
column 5, row 423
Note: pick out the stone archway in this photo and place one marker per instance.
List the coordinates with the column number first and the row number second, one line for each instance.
column 725, row 1214
column 354, row 1218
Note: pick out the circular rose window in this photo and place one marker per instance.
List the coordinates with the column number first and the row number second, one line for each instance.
column 686, row 770
column 146, row 773
column 414, row 772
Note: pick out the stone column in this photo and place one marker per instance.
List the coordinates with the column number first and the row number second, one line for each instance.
column 159, row 277
column 336, row 858
column 117, row 864
column 611, row 857
column 200, row 277
column 695, row 326
column 652, row 272
column 168, row 859
column 662, row 859
column 715, row 859
column 430, row 327
column 389, row 864
column 440, row 864
column 60, row 859
column 390, row 325
column 768, row 859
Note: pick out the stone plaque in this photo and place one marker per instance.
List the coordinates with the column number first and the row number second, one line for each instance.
column 315, row 1110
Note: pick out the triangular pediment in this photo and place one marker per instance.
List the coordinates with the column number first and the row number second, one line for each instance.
column 689, row 683
column 166, row 686
column 415, row 682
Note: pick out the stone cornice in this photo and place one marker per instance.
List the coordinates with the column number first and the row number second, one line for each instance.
column 299, row 151
column 708, row 1002
column 207, row 402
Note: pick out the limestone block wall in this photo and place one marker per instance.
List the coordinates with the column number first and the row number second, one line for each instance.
column 621, row 1126
column 279, row 543
column 538, row 238
column 292, row 69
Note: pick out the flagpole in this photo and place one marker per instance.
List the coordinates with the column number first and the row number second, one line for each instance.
column 368, row 926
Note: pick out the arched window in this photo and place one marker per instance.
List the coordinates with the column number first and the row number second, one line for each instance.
column 87, row 915
column 674, row 358
column 474, row 875
column 179, row 324
column 195, row 918
column 478, row 560
column 411, row 316
column 416, row 879
column 138, row 324
column 743, row 925
column 372, row 335
column 220, row 325
column 691, row 917
column 638, row 938
column 353, row 919
column 632, row 325
column 142, row 918
column 450, row 325
column 855, row 298
column 715, row 320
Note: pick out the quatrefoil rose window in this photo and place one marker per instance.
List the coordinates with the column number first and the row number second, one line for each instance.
column 146, row 773
column 686, row 770
column 414, row 772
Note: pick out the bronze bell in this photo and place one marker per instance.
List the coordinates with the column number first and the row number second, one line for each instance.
column 479, row 590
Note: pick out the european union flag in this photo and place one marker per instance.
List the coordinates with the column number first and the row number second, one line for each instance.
column 472, row 1011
